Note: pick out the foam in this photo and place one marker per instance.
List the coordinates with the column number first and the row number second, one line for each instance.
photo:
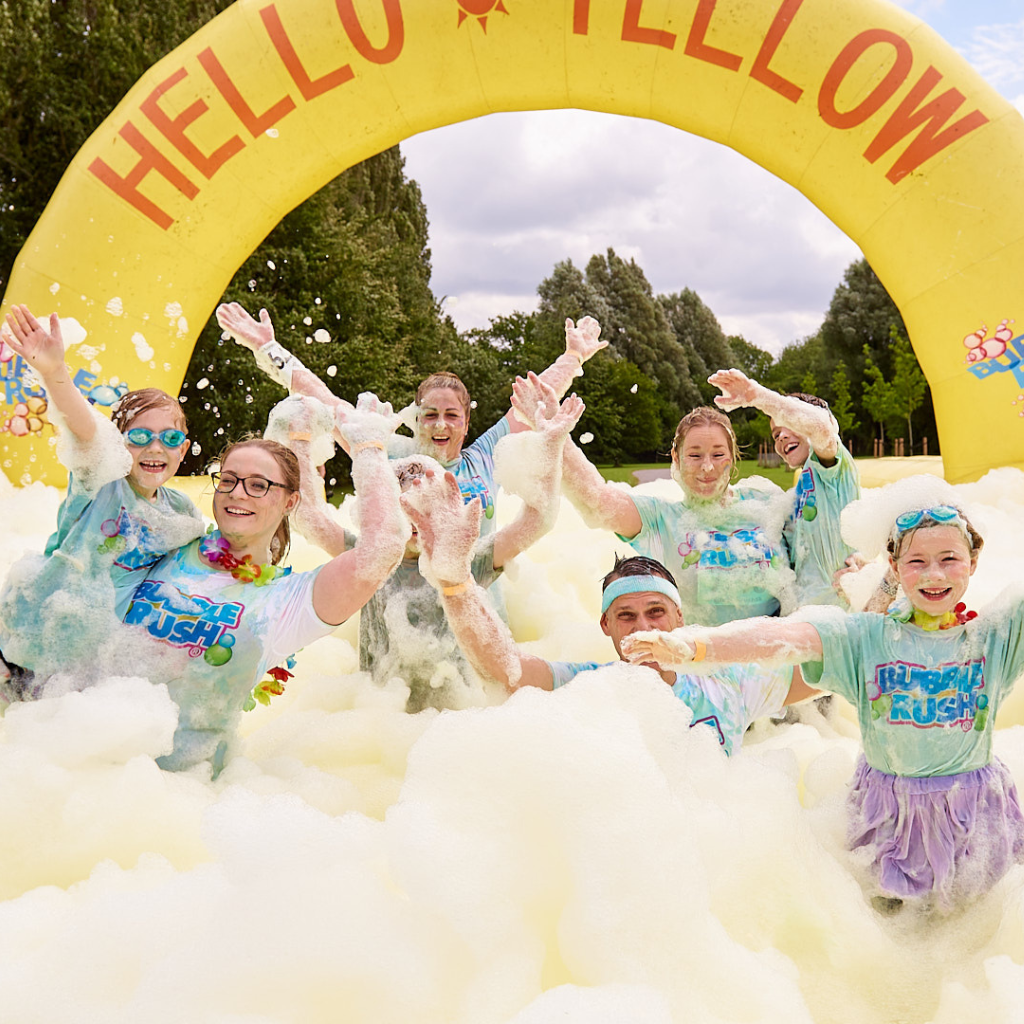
column 580, row 856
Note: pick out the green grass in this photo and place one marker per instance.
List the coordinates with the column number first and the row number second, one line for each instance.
column 748, row 467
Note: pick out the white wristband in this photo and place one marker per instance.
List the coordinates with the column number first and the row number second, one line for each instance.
column 278, row 363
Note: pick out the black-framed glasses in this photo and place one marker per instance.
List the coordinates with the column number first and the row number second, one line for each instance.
column 139, row 437
column 254, row 486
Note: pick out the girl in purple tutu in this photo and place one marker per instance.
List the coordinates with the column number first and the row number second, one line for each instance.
column 936, row 813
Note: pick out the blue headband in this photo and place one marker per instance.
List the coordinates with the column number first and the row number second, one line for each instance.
column 638, row 585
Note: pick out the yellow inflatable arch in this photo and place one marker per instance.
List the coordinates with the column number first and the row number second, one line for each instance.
column 854, row 102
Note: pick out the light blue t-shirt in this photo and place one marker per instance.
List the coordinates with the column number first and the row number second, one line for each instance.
column 474, row 472
column 812, row 532
column 926, row 701
column 231, row 633
column 727, row 701
column 57, row 608
column 729, row 561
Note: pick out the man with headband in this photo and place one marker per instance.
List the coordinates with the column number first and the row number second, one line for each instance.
column 638, row 594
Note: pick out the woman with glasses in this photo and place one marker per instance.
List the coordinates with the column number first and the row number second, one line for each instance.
column 935, row 813
column 116, row 520
column 229, row 607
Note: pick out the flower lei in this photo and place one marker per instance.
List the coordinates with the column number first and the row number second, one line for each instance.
column 932, row 623
column 217, row 550
column 272, row 687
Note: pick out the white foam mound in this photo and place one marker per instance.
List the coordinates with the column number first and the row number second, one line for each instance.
column 581, row 856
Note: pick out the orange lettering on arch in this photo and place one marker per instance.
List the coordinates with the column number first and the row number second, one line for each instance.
column 760, row 71
column 848, row 56
column 257, row 124
column 357, row 37
column 929, row 141
column 309, row 87
column 632, row 32
column 173, row 129
column 152, row 160
column 580, row 17
column 696, row 47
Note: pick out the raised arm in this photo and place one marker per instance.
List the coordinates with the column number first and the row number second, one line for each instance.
column 42, row 347
column 348, row 581
column 305, row 425
column 764, row 641
column 448, row 530
column 280, row 365
column 817, row 425
column 535, row 402
column 581, row 342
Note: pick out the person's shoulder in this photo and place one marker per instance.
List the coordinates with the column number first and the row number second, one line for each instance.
column 756, row 488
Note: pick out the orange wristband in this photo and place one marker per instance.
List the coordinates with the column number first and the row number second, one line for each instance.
column 700, row 650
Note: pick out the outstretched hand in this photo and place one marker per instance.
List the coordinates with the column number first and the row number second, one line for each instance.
column 41, row 347
column 250, row 333
column 738, row 390
column 652, row 645
column 448, row 527
column 371, row 421
column 582, row 337
column 533, row 400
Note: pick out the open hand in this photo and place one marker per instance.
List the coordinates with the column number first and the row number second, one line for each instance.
column 252, row 334
column 40, row 346
column 582, row 337
column 448, row 527
column 738, row 390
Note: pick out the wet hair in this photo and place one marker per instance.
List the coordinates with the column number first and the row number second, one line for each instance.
column 705, row 416
column 809, row 399
column 288, row 463
column 445, row 379
column 975, row 541
column 135, row 402
column 407, row 470
column 636, row 565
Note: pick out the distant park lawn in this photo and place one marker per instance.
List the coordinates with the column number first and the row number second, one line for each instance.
column 748, row 467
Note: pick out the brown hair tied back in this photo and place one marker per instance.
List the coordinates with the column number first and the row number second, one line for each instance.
column 705, row 416
column 445, row 379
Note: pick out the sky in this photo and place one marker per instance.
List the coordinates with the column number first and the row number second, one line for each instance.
column 759, row 254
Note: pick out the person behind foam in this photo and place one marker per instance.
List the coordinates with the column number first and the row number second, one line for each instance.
column 226, row 603
column 638, row 594
column 403, row 631
column 443, row 404
column 722, row 543
column 938, row 813
column 117, row 518
column 806, row 436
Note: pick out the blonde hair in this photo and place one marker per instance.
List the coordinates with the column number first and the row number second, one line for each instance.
column 289, row 466
column 705, row 416
column 135, row 402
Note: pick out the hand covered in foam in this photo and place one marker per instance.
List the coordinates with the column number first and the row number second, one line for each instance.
column 448, row 527
column 581, row 338
column 371, row 422
column 298, row 419
column 738, row 390
column 40, row 346
column 236, row 321
column 676, row 648
column 533, row 400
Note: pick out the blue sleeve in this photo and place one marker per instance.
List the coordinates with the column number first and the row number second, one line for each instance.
column 563, row 671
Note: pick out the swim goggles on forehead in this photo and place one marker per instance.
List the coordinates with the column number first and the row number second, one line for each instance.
column 945, row 514
column 139, row 437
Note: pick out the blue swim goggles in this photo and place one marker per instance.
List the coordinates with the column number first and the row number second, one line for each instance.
column 139, row 437
column 946, row 514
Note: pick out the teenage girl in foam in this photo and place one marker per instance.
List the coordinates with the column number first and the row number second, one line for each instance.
column 442, row 400
column 936, row 812
column 722, row 543
column 116, row 520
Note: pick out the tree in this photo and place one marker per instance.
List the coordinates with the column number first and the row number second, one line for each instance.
column 879, row 395
column 908, row 382
column 755, row 362
column 701, row 338
column 842, row 402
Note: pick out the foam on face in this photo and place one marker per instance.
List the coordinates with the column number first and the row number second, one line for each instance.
column 580, row 856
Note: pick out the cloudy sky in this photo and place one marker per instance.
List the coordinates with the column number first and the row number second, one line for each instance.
column 755, row 250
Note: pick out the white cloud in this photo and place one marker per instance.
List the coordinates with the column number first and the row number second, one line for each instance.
column 997, row 51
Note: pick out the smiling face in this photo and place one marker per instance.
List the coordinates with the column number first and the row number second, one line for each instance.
column 441, row 424
column 934, row 566
column 248, row 523
column 702, row 462
column 153, row 464
column 631, row 613
column 793, row 448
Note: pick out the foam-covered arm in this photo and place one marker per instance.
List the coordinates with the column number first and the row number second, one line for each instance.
column 42, row 347
column 304, row 425
column 602, row 505
column 348, row 581
column 818, row 425
column 764, row 641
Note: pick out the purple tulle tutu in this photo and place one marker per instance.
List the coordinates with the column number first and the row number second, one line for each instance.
column 950, row 837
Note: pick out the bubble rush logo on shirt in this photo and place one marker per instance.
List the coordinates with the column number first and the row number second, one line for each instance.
column 183, row 620
column 131, row 539
column 806, row 506
column 745, row 548
column 928, row 698
column 476, row 488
